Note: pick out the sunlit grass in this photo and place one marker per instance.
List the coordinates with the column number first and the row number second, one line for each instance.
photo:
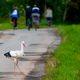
column 67, row 55
column 6, row 23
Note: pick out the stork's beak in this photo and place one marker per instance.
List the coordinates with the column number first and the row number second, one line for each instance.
column 24, row 45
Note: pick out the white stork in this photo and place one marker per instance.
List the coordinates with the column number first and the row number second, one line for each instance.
column 16, row 54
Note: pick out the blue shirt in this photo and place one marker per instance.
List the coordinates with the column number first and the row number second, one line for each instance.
column 14, row 13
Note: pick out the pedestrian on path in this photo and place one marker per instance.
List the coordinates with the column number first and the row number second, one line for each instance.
column 48, row 16
column 35, row 16
column 14, row 14
column 28, row 13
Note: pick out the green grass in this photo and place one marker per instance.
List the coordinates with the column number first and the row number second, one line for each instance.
column 64, row 63
column 5, row 23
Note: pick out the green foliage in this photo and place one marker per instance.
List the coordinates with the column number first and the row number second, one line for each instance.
column 60, row 8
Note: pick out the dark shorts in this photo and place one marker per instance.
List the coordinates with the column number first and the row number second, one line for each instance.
column 14, row 21
column 49, row 19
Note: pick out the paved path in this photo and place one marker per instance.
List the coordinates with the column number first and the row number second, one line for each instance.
column 32, row 64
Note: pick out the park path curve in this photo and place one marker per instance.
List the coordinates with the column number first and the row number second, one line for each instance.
column 32, row 64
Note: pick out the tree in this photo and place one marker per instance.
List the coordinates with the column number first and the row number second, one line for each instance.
column 61, row 8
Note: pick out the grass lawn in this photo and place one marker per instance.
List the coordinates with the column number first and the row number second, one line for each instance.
column 64, row 63
column 5, row 23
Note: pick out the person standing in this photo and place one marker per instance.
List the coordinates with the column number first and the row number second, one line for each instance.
column 35, row 16
column 48, row 16
column 14, row 16
column 28, row 13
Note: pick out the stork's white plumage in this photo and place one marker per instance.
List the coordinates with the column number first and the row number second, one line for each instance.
column 16, row 54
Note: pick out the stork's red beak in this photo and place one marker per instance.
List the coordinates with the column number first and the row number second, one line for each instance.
column 24, row 45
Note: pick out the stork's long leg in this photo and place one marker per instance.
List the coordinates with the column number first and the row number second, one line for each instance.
column 14, row 68
column 20, row 69
column 16, row 61
column 15, row 64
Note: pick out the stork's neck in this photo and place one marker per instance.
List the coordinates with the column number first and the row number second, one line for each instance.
column 22, row 50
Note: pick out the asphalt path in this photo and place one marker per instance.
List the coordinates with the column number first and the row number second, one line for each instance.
column 31, row 65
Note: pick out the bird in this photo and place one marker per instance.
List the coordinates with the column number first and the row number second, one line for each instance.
column 16, row 54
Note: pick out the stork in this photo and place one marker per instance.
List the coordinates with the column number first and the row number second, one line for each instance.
column 16, row 54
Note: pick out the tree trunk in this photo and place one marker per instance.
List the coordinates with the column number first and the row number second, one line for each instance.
column 65, row 13
column 66, row 10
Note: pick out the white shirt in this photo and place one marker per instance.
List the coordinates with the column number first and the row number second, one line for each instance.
column 15, row 12
column 48, row 13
